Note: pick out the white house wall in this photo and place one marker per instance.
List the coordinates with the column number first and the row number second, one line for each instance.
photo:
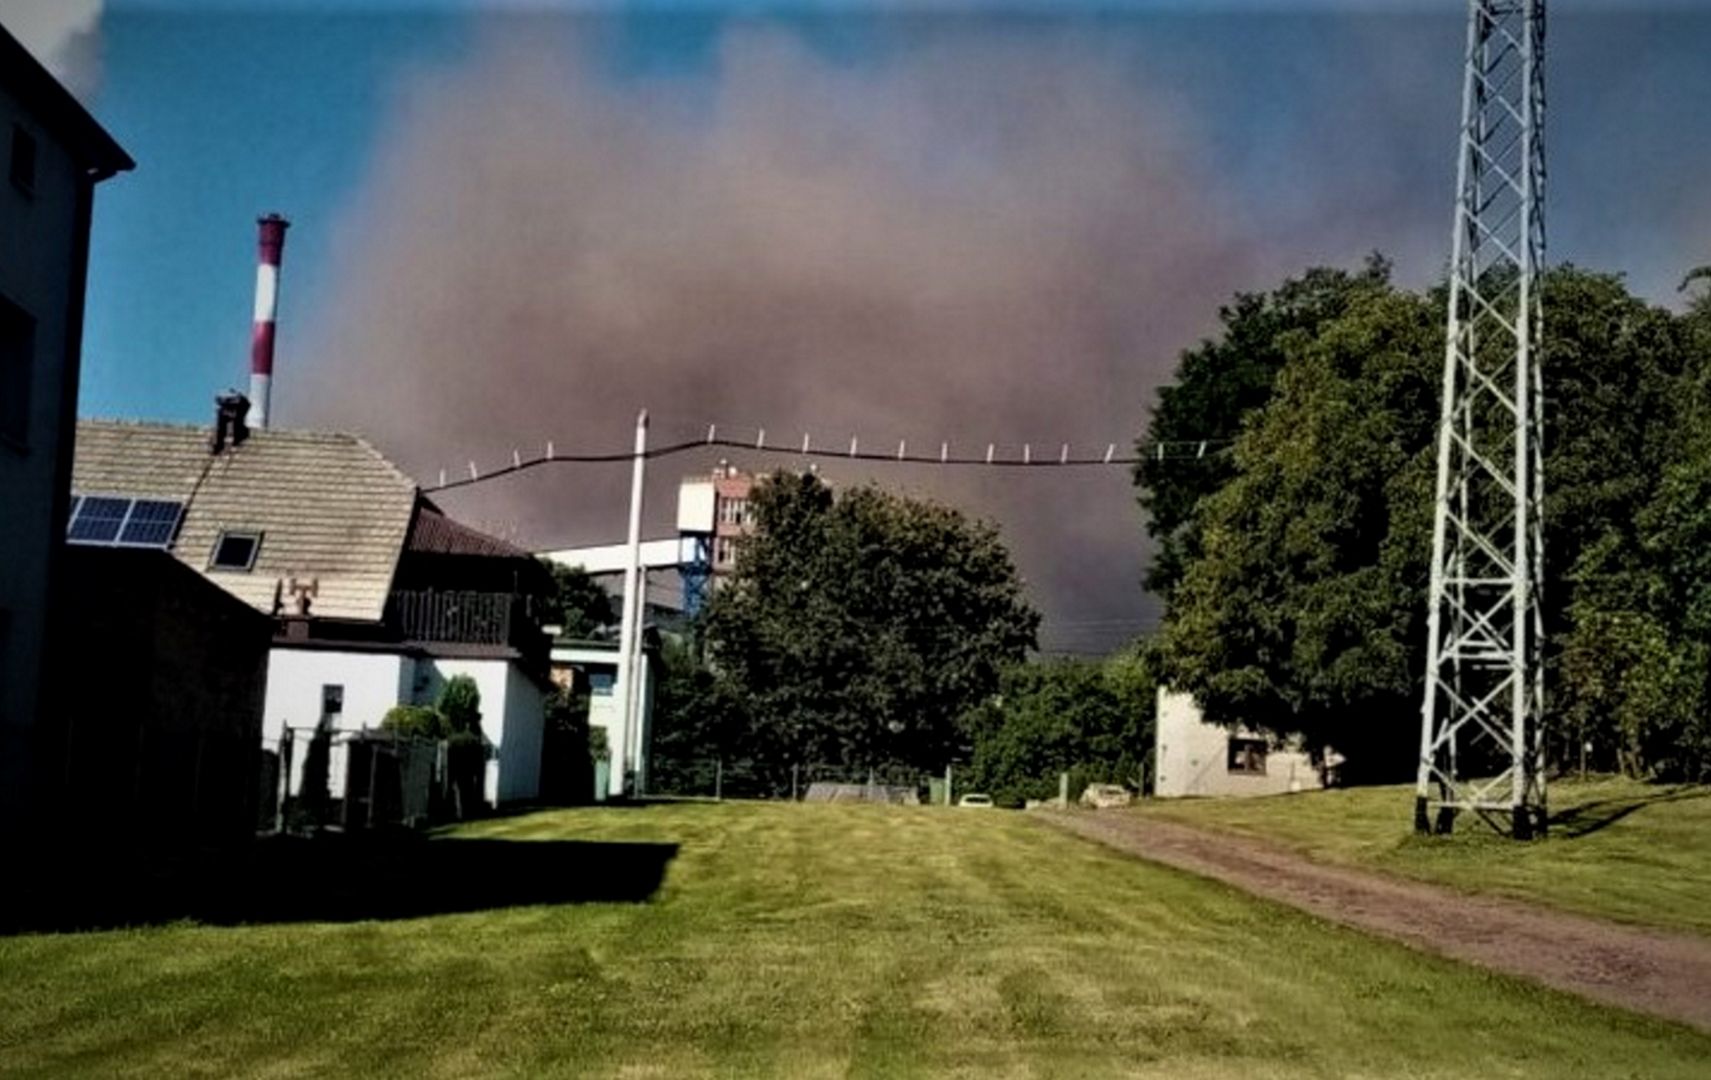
column 373, row 683
column 507, row 708
column 1193, row 758
column 525, row 727
column 513, row 708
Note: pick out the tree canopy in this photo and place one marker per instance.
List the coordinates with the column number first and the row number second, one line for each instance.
column 578, row 604
column 1091, row 719
column 859, row 629
column 1299, row 607
column 1218, row 384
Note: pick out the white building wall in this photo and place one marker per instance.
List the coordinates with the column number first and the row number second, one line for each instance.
column 373, row 683
column 1193, row 757
column 513, row 707
column 512, row 720
column 525, row 728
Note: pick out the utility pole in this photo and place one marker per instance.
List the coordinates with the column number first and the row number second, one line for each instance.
column 624, row 758
column 1482, row 713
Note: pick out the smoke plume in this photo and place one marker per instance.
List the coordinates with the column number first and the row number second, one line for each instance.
column 65, row 35
column 976, row 239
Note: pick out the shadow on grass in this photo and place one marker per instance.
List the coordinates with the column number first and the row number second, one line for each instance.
column 1590, row 817
column 335, row 879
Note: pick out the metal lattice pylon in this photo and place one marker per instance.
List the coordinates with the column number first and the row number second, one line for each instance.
column 1482, row 717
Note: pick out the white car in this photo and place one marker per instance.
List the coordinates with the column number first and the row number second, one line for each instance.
column 975, row 799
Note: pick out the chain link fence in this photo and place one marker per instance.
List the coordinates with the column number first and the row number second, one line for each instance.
column 713, row 777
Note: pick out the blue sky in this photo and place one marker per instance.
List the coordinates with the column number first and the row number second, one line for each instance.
column 1281, row 135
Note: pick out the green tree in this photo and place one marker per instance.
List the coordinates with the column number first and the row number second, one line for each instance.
column 460, row 704
column 466, row 748
column 567, row 757
column 1091, row 719
column 1302, row 611
column 859, row 629
column 418, row 721
column 579, row 604
column 1219, row 383
column 697, row 727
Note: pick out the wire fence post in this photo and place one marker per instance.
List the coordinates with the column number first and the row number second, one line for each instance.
column 947, row 784
column 793, row 768
column 719, row 779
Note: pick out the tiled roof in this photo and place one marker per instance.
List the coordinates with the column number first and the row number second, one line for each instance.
column 329, row 506
column 436, row 534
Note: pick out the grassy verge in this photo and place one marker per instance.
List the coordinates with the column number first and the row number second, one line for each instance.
column 808, row 941
column 1617, row 848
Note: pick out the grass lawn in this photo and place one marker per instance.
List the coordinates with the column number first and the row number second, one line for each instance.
column 1629, row 851
column 808, row 941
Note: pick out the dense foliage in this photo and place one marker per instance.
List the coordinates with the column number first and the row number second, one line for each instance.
column 456, row 719
column 859, row 630
column 1091, row 719
column 1299, row 605
column 1218, row 384
column 579, row 605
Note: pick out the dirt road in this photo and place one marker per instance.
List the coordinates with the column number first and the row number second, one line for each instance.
column 1667, row 975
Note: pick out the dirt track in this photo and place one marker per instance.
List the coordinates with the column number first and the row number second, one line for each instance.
column 1667, row 975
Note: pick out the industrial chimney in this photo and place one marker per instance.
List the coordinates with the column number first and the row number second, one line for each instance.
column 269, row 246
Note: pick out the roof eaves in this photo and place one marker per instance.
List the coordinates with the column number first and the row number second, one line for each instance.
column 24, row 75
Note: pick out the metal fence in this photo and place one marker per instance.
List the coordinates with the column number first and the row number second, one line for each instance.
column 720, row 778
column 352, row 780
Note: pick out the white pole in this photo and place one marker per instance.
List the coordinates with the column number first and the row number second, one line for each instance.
column 629, row 626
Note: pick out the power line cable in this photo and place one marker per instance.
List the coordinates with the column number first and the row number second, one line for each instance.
column 1161, row 451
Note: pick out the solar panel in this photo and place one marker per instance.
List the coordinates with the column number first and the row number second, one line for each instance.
column 151, row 523
column 98, row 520
column 106, row 519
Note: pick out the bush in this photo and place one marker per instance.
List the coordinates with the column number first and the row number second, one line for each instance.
column 418, row 721
column 1091, row 720
column 460, row 704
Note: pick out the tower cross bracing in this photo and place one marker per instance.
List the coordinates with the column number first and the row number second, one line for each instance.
column 1482, row 713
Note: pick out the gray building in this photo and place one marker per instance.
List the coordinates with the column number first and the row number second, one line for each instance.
column 52, row 153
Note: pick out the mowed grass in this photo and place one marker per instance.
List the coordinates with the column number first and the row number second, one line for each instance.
column 1633, row 852
column 810, row 941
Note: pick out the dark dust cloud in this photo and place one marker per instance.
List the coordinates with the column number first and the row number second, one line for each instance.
column 976, row 239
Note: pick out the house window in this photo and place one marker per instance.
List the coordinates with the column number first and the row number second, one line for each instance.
column 600, row 683
column 332, row 701
column 734, row 511
column 23, row 162
column 17, row 364
column 1247, row 756
column 724, row 551
column 235, row 551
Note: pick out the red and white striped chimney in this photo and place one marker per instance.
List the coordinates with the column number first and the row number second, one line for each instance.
column 269, row 246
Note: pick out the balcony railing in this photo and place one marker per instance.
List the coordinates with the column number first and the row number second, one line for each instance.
column 468, row 618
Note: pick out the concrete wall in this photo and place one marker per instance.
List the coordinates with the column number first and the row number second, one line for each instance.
column 1193, row 757
column 39, row 235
